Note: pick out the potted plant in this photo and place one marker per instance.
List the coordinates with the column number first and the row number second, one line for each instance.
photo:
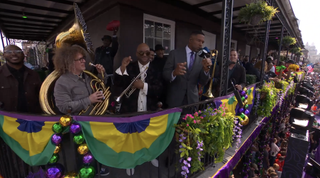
column 256, row 13
column 288, row 41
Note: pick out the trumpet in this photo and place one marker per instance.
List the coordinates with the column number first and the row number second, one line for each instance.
column 208, row 94
column 130, row 89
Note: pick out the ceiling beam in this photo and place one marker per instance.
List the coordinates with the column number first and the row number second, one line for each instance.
column 28, row 19
column 14, row 3
column 28, row 33
column 63, row 2
column 192, row 8
column 30, row 14
column 28, row 27
column 258, row 28
column 207, row 3
column 220, row 11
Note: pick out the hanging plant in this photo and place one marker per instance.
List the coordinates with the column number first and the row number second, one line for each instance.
column 256, row 12
column 288, row 41
column 295, row 50
column 299, row 53
column 270, row 99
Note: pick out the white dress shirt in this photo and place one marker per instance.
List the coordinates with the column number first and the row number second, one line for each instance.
column 142, row 98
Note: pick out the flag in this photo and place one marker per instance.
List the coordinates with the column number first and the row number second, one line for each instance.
column 126, row 143
column 231, row 102
column 30, row 140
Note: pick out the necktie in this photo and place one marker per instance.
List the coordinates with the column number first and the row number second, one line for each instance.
column 191, row 60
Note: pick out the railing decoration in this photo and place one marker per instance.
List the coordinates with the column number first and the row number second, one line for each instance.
column 138, row 139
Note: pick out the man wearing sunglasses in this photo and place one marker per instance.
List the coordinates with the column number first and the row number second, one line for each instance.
column 19, row 85
column 184, row 69
column 148, row 86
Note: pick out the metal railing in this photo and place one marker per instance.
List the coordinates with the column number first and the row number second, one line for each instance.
column 11, row 166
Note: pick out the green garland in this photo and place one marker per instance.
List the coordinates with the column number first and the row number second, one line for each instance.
column 219, row 128
column 270, row 99
column 209, row 131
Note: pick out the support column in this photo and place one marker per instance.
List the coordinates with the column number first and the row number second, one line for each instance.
column 280, row 45
column 1, row 36
column 226, row 35
column 265, row 49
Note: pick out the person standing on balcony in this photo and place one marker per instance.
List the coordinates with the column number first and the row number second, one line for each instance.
column 105, row 54
column 19, row 85
column 159, row 62
column 159, row 59
column 184, row 69
column 236, row 72
column 148, row 87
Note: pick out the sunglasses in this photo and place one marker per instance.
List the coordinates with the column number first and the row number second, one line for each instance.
column 141, row 53
column 13, row 51
column 81, row 59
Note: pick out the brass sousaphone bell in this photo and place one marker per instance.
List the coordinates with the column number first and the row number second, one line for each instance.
column 208, row 94
column 76, row 35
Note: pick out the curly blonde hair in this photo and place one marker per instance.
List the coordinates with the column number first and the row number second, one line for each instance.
column 64, row 57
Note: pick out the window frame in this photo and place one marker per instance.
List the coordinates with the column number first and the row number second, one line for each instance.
column 163, row 21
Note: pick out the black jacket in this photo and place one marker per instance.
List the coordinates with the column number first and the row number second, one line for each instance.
column 155, row 87
column 105, row 55
column 238, row 74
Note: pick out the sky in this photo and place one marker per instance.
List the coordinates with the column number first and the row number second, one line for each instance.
column 307, row 11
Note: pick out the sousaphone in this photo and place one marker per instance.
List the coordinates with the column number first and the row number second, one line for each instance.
column 76, row 35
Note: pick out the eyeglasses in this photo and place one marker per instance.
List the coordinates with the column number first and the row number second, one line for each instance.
column 13, row 51
column 141, row 53
column 81, row 59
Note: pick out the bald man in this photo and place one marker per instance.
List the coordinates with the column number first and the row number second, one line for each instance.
column 19, row 85
column 148, row 86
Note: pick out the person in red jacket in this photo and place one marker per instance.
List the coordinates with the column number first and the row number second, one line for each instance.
column 280, row 162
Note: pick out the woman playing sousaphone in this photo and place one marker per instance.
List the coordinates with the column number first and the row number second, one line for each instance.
column 73, row 90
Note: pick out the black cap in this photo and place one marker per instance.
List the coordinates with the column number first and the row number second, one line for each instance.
column 290, row 61
column 106, row 37
column 159, row 47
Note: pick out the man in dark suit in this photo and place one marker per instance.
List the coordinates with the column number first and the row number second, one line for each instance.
column 105, row 54
column 148, row 87
column 184, row 69
column 236, row 72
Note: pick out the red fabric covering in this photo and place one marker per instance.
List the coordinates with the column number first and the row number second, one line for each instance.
column 280, row 163
column 278, row 155
column 113, row 24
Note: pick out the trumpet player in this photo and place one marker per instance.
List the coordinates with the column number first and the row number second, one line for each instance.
column 147, row 89
column 72, row 89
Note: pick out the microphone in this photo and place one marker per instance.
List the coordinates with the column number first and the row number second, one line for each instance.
column 205, row 53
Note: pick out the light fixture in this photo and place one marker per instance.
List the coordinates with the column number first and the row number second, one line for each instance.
column 300, row 120
column 304, row 102
column 312, row 168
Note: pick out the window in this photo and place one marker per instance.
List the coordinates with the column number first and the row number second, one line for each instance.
column 159, row 31
column 233, row 44
column 209, row 40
